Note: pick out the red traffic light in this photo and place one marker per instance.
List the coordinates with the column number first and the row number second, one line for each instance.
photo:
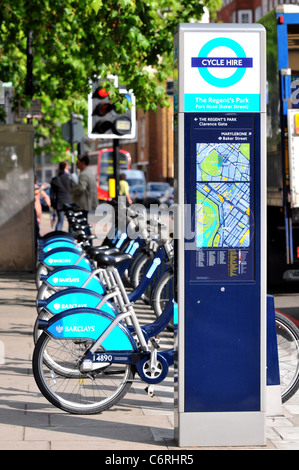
column 100, row 93
column 103, row 93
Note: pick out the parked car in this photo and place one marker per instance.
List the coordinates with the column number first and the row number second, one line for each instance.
column 136, row 193
column 134, row 177
column 170, row 199
column 156, row 193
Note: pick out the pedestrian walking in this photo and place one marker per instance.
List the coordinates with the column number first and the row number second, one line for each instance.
column 39, row 192
column 124, row 189
column 60, row 192
column 85, row 192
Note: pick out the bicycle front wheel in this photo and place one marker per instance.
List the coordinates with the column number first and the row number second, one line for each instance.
column 76, row 392
column 140, row 270
column 288, row 355
column 163, row 292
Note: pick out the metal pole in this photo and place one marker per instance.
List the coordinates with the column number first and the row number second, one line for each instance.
column 116, row 177
column 116, row 166
column 29, row 74
column 72, row 141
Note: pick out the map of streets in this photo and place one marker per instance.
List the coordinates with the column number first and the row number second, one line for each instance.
column 223, row 195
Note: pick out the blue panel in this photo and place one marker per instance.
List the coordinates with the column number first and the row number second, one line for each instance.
column 222, row 273
column 65, row 257
column 76, row 298
column 88, row 324
column 272, row 350
column 222, row 353
column 74, row 276
column 60, row 244
column 282, row 43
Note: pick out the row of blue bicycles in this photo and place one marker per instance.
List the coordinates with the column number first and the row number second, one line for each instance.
column 89, row 343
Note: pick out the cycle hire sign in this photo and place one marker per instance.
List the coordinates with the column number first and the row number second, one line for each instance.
column 220, row 286
column 222, row 72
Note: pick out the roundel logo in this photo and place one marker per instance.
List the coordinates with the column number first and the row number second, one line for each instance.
column 238, row 63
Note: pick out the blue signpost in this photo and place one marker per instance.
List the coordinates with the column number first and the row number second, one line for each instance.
column 220, row 117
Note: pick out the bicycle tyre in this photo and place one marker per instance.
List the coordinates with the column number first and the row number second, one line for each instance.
column 139, row 271
column 288, row 355
column 44, row 292
column 163, row 291
column 41, row 269
column 133, row 265
column 86, row 393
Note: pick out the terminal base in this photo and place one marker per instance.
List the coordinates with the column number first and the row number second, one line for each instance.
column 221, row 429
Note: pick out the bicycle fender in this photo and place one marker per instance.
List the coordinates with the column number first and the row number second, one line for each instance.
column 74, row 276
column 89, row 324
column 64, row 257
column 147, row 279
column 166, row 271
column 54, row 236
column 60, row 244
column 155, row 328
column 75, row 298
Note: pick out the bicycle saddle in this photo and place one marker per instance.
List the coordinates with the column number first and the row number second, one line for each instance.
column 93, row 251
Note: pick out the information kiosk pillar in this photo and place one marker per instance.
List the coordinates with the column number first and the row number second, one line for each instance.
column 220, row 127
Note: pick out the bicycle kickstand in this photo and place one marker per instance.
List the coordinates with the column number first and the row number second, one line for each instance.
column 153, row 365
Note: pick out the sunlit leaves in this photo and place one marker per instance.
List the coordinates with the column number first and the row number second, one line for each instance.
column 75, row 40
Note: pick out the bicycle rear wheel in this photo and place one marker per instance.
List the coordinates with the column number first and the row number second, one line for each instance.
column 70, row 390
column 288, row 355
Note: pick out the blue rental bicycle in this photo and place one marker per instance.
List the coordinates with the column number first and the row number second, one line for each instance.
column 85, row 360
column 60, row 249
column 103, row 289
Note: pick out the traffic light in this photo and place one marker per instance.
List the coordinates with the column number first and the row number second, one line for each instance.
column 103, row 119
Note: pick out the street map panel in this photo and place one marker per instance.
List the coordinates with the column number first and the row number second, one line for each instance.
column 223, row 162
column 223, row 195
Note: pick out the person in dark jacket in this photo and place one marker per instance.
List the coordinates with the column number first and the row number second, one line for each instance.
column 60, row 192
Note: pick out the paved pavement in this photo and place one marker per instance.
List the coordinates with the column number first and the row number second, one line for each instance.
column 138, row 422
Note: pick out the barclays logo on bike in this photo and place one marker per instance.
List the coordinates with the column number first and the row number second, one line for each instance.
column 74, row 329
column 59, row 329
column 57, row 306
column 66, row 279
column 53, row 260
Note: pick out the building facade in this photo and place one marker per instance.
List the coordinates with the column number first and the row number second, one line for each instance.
column 248, row 11
column 151, row 150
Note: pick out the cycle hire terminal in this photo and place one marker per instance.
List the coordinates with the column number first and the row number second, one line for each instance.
column 220, row 133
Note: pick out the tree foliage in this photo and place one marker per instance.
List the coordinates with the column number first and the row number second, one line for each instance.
column 76, row 40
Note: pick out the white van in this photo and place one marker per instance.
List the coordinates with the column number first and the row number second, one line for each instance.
column 136, row 181
column 134, row 177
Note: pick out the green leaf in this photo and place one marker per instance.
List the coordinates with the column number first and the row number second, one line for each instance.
column 96, row 5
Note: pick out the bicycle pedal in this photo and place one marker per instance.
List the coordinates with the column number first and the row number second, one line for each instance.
column 155, row 343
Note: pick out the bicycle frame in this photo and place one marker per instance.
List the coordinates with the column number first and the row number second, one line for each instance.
column 55, row 278
column 99, row 297
column 118, row 340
